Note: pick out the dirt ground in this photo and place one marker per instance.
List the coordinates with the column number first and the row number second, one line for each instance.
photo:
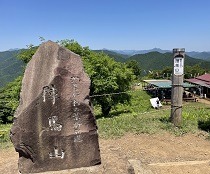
column 147, row 154
column 160, row 153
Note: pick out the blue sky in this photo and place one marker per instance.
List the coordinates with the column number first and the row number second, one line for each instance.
column 111, row 24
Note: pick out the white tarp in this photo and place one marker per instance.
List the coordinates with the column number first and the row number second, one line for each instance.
column 154, row 102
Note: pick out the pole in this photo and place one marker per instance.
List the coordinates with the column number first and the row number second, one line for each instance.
column 177, row 86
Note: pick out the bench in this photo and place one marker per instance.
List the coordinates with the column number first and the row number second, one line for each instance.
column 166, row 101
column 190, row 99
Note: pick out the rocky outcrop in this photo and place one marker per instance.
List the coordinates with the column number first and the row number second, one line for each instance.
column 54, row 127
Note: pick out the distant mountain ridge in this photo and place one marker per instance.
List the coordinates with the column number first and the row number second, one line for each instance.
column 133, row 52
column 202, row 55
column 154, row 59
column 116, row 56
column 193, row 54
column 13, row 49
column 10, row 67
column 157, row 61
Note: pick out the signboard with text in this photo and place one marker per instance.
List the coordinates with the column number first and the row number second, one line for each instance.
column 178, row 66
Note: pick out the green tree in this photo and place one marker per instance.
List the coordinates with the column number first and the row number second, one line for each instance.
column 166, row 72
column 192, row 71
column 134, row 66
column 107, row 76
column 9, row 100
column 26, row 54
column 74, row 46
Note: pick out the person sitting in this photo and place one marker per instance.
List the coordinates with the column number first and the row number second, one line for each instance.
column 158, row 103
column 190, row 95
column 184, row 95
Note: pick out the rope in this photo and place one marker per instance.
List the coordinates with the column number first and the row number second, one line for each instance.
column 8, row 101
column 117, row 93
column 97, row 95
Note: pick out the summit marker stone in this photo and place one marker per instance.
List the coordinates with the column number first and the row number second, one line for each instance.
column 54, row 127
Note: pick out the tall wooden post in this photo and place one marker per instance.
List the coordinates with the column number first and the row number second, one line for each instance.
column 177, row 86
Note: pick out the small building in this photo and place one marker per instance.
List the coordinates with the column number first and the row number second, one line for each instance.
column 203, row 84
column 162, row 88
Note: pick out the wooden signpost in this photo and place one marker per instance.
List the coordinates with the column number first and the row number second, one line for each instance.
column 177, row 86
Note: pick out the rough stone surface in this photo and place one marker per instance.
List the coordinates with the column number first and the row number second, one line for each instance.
column 137, row 167
column 54, row 127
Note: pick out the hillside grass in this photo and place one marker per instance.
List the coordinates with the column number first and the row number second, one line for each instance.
column 5, row 135
column 139, row 117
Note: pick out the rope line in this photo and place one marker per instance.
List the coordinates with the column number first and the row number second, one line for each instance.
column 97, row 95
column 9, row 101
column 116, row 93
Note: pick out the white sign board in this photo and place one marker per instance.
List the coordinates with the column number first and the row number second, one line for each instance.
column 154, row 102
column 178, row 66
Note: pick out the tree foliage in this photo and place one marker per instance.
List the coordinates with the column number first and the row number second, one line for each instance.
column 26, row 54
column 193, row 71
column 107, row 76
column 189, row 72
column 9, row 100
column 134, row 66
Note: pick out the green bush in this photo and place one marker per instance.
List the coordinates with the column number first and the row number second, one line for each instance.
column 5, row 135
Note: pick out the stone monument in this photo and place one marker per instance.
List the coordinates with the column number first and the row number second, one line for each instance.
column 54, row 127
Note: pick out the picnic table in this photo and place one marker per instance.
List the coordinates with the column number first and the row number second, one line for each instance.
column 166, row 101
column 194, row 99
column 190, row 99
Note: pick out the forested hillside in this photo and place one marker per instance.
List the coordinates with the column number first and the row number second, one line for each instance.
column 157, row 61
column 116, row 56
column 202, row 55
column 193, row 54
column 10, row 67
